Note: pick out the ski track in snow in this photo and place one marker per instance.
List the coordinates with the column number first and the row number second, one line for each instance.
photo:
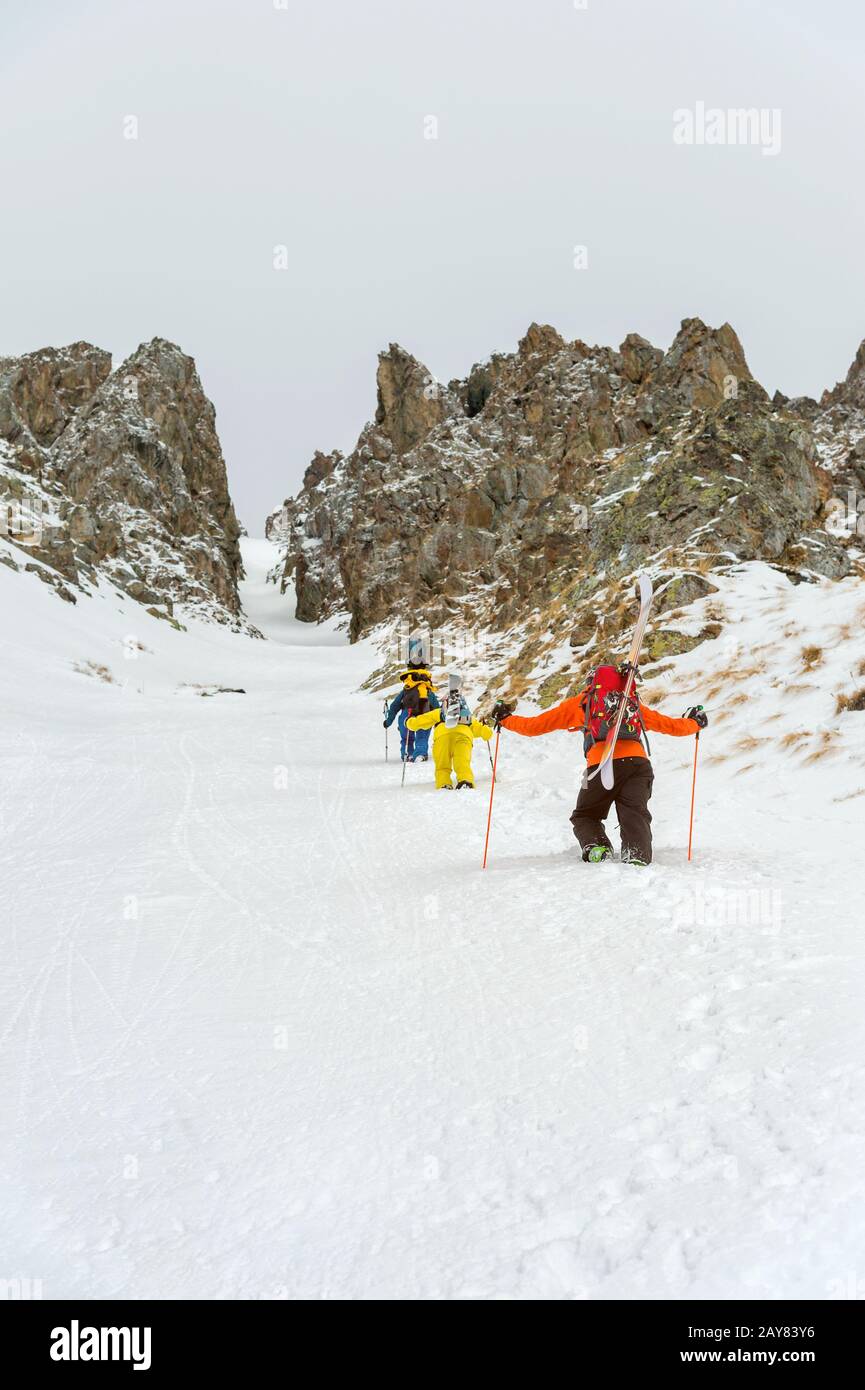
column 268, row 1030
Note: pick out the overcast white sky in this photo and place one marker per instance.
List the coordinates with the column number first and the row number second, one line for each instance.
column 303, row 126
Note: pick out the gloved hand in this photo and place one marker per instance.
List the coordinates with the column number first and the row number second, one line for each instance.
column 502, row 710
column 384, row 724
column 698, row 714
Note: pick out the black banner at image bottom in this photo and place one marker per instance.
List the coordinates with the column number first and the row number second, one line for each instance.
column 215, row 1339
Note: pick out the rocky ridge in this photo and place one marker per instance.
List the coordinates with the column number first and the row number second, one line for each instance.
column 118, row 475
column 524, row 498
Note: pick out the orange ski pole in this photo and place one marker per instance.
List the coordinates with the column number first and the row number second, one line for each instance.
column 693, row 789
column 492, row 789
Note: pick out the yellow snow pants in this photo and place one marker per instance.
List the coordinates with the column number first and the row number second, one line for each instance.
column 452, row 752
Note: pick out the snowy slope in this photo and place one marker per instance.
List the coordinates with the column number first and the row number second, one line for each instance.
column 268, row 1030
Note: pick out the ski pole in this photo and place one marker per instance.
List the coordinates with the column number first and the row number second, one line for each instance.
column 492, row 789
column 693, row 789
column 404, row 754
column 409, row 737
column 385, row 732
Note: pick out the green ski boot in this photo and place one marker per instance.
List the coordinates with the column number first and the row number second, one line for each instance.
column 598, row 853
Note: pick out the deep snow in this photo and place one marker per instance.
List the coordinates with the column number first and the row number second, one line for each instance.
column 268, row 1030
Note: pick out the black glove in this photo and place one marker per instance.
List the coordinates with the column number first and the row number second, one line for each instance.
column 502, row 711
column 385, row 724
column 698, row 714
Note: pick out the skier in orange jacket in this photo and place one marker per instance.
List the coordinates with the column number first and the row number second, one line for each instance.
column 632, row 769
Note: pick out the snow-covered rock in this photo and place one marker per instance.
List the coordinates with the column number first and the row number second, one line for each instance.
column 120, row 474
column 525, row 498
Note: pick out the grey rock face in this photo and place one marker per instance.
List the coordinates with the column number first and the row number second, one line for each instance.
column 410, row 402
column 529, row 493
column 41, row 391
column 130, row 471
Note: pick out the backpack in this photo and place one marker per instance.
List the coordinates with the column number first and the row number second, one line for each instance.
column 413, row 702
column 600, row 703
column 416, row 688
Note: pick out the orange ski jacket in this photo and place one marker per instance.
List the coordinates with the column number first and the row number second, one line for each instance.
column 569, row 715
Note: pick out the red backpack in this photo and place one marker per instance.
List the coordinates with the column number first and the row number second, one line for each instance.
column 600, row 702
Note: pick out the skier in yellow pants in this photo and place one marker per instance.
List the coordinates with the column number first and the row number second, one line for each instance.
column 455, row 732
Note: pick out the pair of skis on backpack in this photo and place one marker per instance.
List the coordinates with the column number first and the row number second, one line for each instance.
column 622, row 703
